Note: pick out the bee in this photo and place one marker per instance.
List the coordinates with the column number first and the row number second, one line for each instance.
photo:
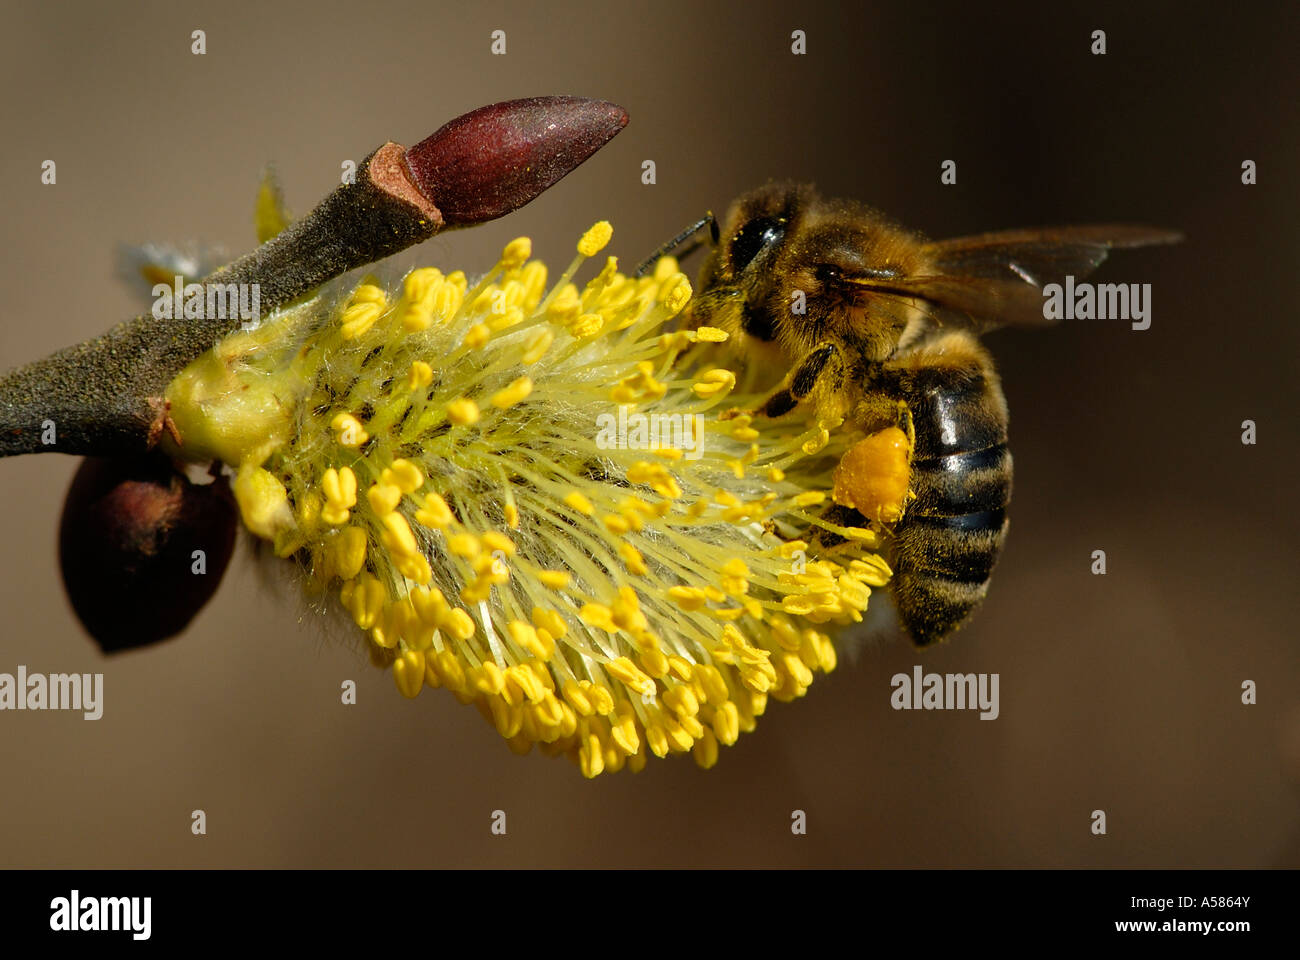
column 881, row 327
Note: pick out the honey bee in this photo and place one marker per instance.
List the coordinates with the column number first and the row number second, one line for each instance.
column 881, row 327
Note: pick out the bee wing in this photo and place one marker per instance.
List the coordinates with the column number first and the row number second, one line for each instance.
column 996, row 279
column 142, row 267
column 271, row 215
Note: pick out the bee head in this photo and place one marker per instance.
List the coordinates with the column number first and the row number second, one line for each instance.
column 794, row 270
column 738, row 286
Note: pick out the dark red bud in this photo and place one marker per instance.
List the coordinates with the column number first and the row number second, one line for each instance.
column 127, row 546
column 493, row 160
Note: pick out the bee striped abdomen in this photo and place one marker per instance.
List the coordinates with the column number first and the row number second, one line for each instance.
column 948, row 543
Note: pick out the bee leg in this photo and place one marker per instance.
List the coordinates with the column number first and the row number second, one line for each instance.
column 802, row 381
column 905, row 423
column 779, row 404
column 878, row 411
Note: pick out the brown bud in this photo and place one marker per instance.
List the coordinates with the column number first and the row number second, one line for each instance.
column 127, row 548
column 493, row 160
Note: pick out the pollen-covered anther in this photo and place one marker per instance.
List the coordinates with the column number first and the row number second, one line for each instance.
column 397, row 535
column 599, row 616
column 434, row 513
column 715, row 383
column 639, row 386
column 627, row 616
column 656, row 476
column 565, row 306
column 490, row 569
column 404, row 475
column 818, row 441
column 554, row 579
column 415, row 567
column 526, row 636
column 463, row 545
column 688, row 598
column 507, row 318
column 263, row 502
column 597, row 291
column 516, row 252
column 595, row 239
column 458, row 624
column 349, row 552
column 348, row 431
column 616, row 524
column 383, row 497
column 463, row 412
column 419, row 376
column 655, row 663
column 420, row 284
column 366, row 307
column 498, row 543
column 586, row 325
column 735, row 577
column 627, row 673
column 516, row 392
column 364, row 599
column 809, row 498
column 418, row 308
column 408, row 672
column 633, row 559
column 623, row 730
column 340, row 489
column 579, row 502
column 871, row 570
column 675, row 295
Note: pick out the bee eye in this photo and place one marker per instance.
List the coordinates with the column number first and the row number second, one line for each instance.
column 755, row 237
column 827, row 274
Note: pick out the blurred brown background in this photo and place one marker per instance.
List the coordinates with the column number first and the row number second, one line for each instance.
column 1119, row 692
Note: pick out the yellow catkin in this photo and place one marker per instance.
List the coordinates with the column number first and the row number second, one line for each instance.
column 442, row 478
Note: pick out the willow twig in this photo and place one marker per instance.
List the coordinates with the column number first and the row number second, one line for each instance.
column 105, row 396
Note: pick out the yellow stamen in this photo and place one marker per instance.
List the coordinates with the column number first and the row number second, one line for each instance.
column 595, row 239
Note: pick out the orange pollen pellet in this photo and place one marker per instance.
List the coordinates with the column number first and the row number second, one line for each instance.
column 873, row 475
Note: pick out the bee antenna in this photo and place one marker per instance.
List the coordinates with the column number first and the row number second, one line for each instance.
column 681, row 242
